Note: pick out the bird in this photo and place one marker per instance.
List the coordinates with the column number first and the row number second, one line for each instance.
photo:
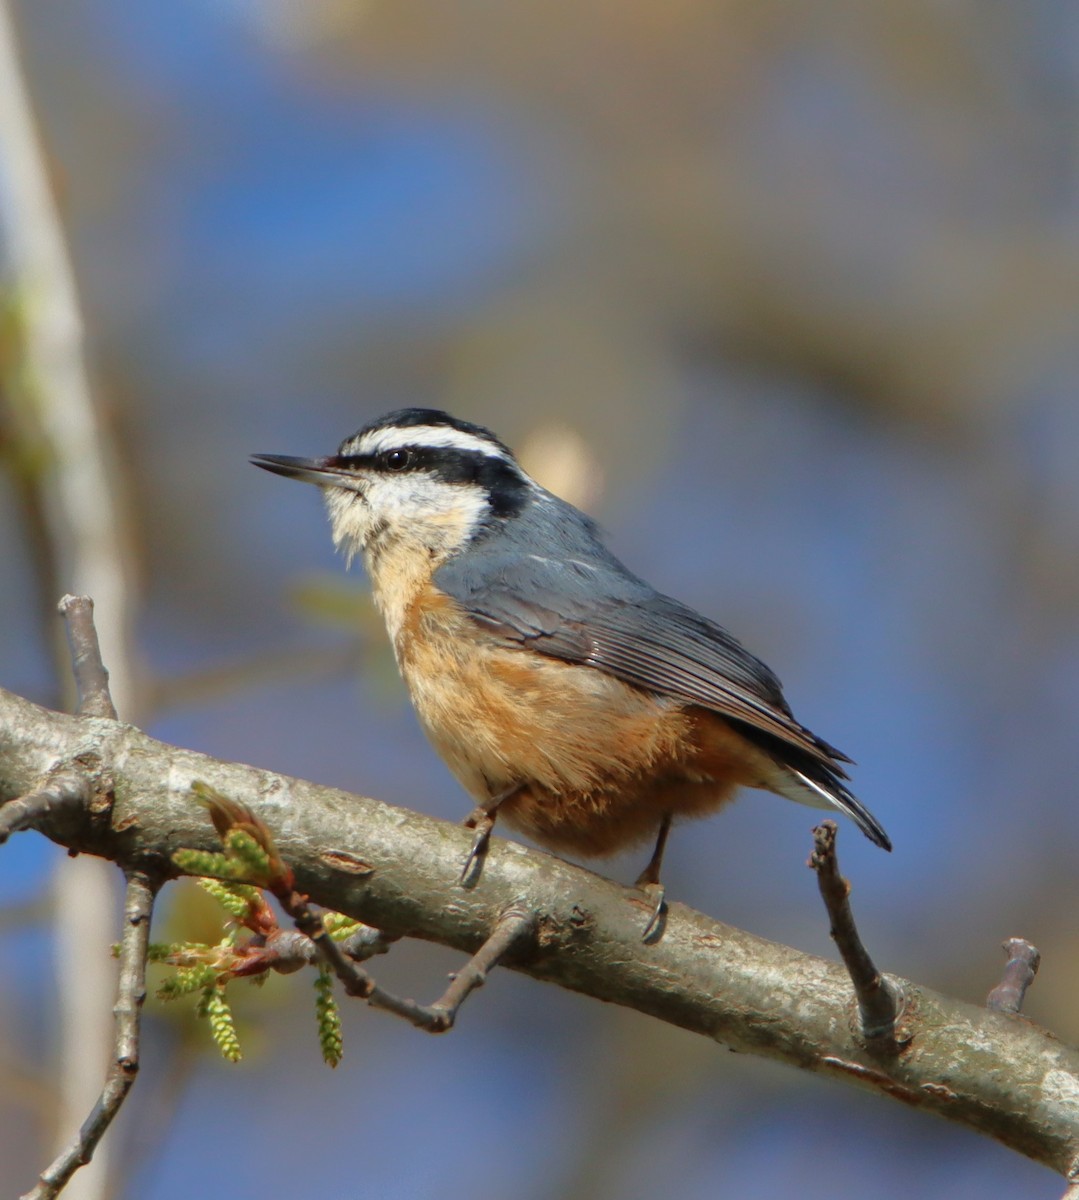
column 572, row 700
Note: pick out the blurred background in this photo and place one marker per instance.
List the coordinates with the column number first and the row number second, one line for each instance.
column 787, row 294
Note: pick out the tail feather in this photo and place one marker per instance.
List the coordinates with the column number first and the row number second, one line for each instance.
column 815, row 779
column 804, row 790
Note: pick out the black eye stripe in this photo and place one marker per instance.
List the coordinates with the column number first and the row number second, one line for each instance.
column 500, row 478
column 447, row 463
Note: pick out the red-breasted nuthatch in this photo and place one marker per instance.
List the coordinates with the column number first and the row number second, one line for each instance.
column 568, row 696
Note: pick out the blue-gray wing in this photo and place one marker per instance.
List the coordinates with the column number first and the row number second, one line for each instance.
column 594, row 612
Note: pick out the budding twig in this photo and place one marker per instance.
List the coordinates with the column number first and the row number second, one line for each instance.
column 138, row 907
column 1019, row 972
column 878, row 1003
column 249, row 849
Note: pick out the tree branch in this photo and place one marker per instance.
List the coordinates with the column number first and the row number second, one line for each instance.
column 985, row 1070
column 131, row 992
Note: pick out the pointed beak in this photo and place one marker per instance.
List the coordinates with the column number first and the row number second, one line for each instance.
column 326, row 472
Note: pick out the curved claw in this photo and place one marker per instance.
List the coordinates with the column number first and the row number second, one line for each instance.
column 482, row 822
column 648, row 882
column 654, row 929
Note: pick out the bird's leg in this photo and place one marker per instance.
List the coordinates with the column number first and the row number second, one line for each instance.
column 648, row 880
column 482, row 820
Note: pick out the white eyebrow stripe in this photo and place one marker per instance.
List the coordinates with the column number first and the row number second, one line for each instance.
column 435, row 436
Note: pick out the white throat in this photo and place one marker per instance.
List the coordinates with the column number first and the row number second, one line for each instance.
column 406, row 527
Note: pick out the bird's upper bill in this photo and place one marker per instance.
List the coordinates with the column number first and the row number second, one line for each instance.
column 326, row 472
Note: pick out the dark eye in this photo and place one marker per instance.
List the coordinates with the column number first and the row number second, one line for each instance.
column 396, row 460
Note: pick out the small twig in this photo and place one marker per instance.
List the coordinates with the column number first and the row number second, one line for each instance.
column 131, row 992
column 1022, row 966
column 367, row 942
column 67, row 791
column 91, row 676
column 513, row 928
column 878, row 1005
column 283, row 951
column 288, row 950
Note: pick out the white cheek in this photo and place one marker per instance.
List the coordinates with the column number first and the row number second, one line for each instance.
column 418, row 507
column 399, row 501
column 406, row 511
column 350, row 520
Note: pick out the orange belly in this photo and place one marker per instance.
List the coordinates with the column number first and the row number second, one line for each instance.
column 597, row 763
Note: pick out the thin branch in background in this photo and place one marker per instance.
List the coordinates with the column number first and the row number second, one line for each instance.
column 66, row 791
column 294, row 663
column 878, row 1003
column 26, row 477
column 83, row 906
column 84, row 522
column 91, row 675
column 33, row 910
column 83, row 506
column 1019, row 972
column 138, row 909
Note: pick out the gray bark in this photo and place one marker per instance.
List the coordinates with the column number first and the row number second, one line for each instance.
column 398, row 870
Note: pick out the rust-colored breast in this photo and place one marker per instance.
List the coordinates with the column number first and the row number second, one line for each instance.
column 598, row 762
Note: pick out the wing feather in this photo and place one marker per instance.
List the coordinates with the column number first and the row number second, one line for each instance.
column 598, row 614
column 583, row 606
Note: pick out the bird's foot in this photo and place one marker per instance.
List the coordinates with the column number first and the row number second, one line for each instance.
column 482, row 822
column 656, row 894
